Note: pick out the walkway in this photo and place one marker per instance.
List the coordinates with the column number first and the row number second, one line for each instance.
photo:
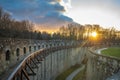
column 114, row 77
column 99, row 50
column 73, row 74
column 7, row 73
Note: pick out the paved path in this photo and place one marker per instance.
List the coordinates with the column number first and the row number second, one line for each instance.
column 99, row 50
column 73, row 74
column 114, row 77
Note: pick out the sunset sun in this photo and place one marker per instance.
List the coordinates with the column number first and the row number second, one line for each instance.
column 94, row 34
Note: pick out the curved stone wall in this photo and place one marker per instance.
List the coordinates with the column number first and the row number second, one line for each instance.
column 100, row 67
column 13, row 51
column 57, row 62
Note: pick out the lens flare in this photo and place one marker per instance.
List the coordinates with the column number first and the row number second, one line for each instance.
column 94, row 34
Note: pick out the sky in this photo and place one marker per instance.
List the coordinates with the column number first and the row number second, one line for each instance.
column 55, row 13
column 103, row 12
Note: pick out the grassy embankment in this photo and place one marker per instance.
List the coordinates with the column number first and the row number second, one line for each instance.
column 115, row 51
column 66, row 73
column 81, row 75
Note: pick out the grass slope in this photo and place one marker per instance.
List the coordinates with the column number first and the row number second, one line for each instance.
column 66, row 73
column 80, row 75
column 115, row 51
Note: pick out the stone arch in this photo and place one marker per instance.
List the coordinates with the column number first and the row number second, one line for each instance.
column 54, row 44
column 30, row 49
column 50, row 45
column 46, row 45
column 24, row 50
column 38, row 46
column 42, row 46
column 7, row 55
column 34, row 48
column 17, row 52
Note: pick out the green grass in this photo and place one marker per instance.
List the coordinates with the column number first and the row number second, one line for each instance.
column 115, row 51
column 80, row 75
column 66, row 73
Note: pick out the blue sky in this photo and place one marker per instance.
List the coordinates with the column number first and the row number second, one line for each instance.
column 46, row 12
column 55, row 12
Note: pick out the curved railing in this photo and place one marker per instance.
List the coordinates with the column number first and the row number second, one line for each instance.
column 25, row 68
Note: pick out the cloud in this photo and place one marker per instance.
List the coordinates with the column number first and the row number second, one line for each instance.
column 68, row 3
column 111, row 6
column 103, row 12
column 39, row 11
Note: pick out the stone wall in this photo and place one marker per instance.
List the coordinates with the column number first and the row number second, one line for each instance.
column 57, row 62
column 13, row 51
column 98, row 67
column 101, row 67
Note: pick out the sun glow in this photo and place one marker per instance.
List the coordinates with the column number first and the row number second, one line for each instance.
column 94, row 34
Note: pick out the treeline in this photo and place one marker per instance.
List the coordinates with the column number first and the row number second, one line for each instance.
column 83, row 32
column 10, row 28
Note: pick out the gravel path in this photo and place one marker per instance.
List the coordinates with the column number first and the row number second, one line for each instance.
column 73, row 74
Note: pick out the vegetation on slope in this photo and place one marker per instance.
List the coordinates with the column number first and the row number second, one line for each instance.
column 114, row 51
column 81, row 75
column 66, row 73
